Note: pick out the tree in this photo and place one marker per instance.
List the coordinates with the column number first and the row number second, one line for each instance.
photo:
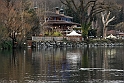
column 120, row 27
column 9, row 18
column 17, row 19
column 86, row 11
column 106, row 21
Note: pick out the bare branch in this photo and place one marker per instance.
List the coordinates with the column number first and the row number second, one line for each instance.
column 110, row 20
column 68, row 4
column 103, row 17
column 89, row 4
column 74, row 4
column 106, row 21
column 108, row 16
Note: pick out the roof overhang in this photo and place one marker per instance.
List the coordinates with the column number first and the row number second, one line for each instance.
column 59, row 22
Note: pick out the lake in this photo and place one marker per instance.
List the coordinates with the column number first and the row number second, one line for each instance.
column 63, row 65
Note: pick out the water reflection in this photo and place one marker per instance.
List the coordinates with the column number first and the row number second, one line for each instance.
column 63, row 65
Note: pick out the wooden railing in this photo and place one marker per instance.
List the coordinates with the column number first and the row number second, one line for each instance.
column 37, row 38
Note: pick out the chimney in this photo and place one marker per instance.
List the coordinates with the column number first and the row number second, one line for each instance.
column 61, row 11
column 57, row 10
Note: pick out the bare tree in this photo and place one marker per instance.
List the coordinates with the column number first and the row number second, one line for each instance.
column 86, row 11
column 17, row 19
column 106, row 21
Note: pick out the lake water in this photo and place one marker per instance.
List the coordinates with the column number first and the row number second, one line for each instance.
column 63, row 65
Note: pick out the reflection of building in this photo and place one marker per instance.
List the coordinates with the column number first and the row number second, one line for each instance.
column 73, row 60
column 58, row 22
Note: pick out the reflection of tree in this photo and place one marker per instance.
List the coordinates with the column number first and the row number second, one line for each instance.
column 41, row 64
column 85, row 64
column 17, row 65
column 108, row 55
column 13, row 57
column 85, row 58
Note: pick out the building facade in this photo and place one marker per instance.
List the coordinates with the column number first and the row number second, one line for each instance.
column 57, row 22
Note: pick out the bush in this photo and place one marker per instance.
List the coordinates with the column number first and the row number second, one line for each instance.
column 57, row 34
column 6, row 45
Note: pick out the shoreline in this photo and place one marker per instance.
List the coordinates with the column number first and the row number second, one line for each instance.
column 74, row 44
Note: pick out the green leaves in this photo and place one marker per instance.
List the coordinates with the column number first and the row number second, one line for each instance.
column 85, row 28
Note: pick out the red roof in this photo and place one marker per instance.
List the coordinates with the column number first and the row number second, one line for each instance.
column 111, row 32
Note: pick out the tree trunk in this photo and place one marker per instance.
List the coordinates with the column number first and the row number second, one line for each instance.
column 106, row 21
column 13, row 41
column 104, row 32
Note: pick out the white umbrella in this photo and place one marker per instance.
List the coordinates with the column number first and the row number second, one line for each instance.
column 73, row 33
column 111, row 36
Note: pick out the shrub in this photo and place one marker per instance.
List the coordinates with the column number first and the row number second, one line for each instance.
column 56, row 34
column 6, row 45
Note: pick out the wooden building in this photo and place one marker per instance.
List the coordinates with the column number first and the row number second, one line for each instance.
column 57, row 22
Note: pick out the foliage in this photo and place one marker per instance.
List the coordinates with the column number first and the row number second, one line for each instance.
column 18, row 20
column 6, row 45
column 56, row 34
column 3, row 32
column 85, row 29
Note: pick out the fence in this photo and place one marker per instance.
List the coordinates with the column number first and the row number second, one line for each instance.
column 35, row 38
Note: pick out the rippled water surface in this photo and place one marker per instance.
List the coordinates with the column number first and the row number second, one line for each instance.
column 63, row 65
